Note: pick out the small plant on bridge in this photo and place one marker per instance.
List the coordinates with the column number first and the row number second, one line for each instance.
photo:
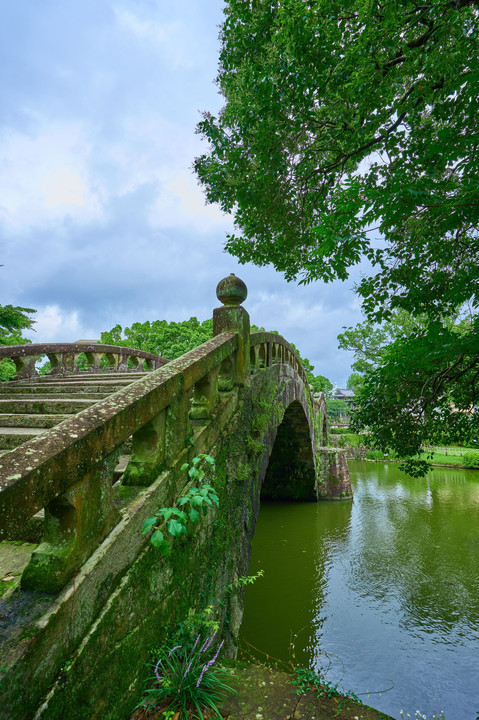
column 187, row 682
column 173, row 520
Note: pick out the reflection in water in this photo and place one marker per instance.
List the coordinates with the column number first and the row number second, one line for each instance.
column 386, row 590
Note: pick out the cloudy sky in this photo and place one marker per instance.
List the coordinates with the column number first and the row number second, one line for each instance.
column 101, row 219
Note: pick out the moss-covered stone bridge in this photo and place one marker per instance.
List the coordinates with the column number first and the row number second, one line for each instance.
column 94, row 596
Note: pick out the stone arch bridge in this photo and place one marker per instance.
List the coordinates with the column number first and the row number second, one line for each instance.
column 85, row 595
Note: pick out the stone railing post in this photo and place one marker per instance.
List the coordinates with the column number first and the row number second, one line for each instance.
column 232, row 291
column 75, row 524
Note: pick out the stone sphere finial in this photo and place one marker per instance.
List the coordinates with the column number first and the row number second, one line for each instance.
column 231, row 290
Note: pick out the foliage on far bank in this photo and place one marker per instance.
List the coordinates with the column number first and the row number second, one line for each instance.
column 13, row 321
column 423, row 391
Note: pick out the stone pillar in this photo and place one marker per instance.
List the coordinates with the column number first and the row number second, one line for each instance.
column 232, row 291
column 333, row 482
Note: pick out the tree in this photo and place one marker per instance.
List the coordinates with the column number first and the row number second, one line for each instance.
column 341, row 119
column 169, row 339
column 424, row 389
column 370, row 342
column 354, row 382
column 13, row 320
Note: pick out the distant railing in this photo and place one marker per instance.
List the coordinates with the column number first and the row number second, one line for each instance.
column 64, row 357
column 267, row 349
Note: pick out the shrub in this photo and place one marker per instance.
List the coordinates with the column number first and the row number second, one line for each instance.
column 187, row 681
column 470, row 460
column 374, row 455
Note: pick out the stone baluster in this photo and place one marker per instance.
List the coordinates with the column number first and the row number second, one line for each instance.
column 253, row 358
column 76, row 522
column 25, row 366
column 93, row 361
column 205, row 396
column 112, row 359
column 148, row 452
column 226, row 378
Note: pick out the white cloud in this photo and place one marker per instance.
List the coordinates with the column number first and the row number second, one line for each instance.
column 182, row 203
column 166, row 36
column 44, row 177
column 52, row 324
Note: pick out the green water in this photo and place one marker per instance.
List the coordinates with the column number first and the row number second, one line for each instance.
column 382, row 594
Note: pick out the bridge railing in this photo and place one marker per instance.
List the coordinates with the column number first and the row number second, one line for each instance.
column 69, row 470
column 268, row 348
column 64, row 357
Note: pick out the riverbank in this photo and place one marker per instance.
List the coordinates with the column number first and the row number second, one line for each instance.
column 267, row 694
column 262, row 693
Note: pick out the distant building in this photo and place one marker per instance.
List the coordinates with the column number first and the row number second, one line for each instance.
column 342, row 394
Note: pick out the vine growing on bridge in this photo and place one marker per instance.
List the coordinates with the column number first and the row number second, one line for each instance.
column 174, row 519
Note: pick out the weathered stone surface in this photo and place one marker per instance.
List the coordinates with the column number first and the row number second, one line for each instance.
column 334, row 483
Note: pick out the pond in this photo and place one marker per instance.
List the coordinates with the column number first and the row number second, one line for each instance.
column 381, row 595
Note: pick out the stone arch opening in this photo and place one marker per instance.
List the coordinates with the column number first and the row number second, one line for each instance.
column 291, row 471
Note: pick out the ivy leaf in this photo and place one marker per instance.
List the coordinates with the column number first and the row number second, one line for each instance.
column 157, row 538
column 194, row 515
column 149, row 524
column 176, row 528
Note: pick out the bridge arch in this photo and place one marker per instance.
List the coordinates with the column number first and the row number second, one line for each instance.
column 291, row 470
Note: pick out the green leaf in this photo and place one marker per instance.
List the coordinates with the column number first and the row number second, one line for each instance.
column 176, row 528
column 209, row 459
column 165, row 548
column 184, row 467
column 194, row 515
column 193, row 473
column 149, row 524
column 157, row 538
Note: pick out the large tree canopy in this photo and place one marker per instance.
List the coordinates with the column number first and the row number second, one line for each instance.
column 345, row 122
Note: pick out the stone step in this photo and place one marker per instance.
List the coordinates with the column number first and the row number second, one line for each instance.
column 114, row 378
column 41, row 405
column 40, row 400
column 85, row 377
column 92, row 381
column 32, row 420
column 93, row 390
column 11, row 437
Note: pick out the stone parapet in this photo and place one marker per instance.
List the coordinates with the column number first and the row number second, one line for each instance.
column 63, row 358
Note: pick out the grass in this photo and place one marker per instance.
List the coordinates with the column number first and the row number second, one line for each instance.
column 442, row 459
